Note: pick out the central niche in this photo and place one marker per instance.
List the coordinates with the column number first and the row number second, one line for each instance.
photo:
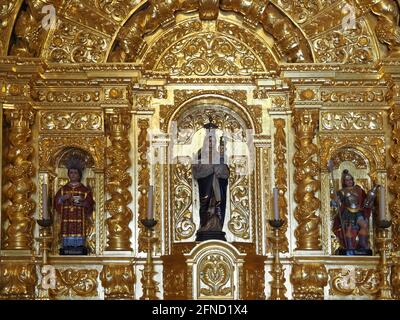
column 187, row 137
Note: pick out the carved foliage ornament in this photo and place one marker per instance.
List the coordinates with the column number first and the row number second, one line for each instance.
column 354, row 281
column 71, row 282
column 309, row 280
column 72, row 121
column 17, row 281
column 215, row 273
column 118, row 281
column 339, row 121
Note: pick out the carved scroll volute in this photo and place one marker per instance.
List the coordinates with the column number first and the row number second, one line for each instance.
column 144, row 177
column 118, row 181
column 19, row 172
column 306, row 177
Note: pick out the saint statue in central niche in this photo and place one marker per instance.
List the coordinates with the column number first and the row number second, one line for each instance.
column 212, row 174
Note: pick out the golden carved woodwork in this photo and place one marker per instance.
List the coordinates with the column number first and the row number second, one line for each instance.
column 351, row 155
column 371, row 147
column 354, row 282
column 387, row 27
column 182, row 209
column 51, row 146
column 71, row 121
column 118, row 281
column 17, row 281
column 66, row 96
column 280, row 151
column 359, row 96
column 222, row 98
column 350, row 120
column 395, row 279
column 174, row 277
column 306, row 177
column 144, row 178
column 219, row 52
column 239, row 187
column 20, row 171
column 118, row 181
column 215, row 276
column 75, row 282
column 309, row 280
column 253, row 278
column 8, row 13
column 393, row 173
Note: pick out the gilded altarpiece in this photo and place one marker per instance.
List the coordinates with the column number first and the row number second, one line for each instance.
column 127, row 87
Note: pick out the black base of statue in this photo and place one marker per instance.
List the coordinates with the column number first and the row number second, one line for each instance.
column 210, row 235
column 74, row 251
column 353, row 252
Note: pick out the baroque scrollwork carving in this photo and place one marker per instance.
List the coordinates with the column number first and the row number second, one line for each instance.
column 239, row 222
column 72, row 282
column 182, row 201
column 353, row 96
column 350, row 120
column 354, row 282
column 306, row 176
column 309, row 280
column 280, row 151
column 20, row 171
column 118, row 181
column 215, row 275
column 17, row 281
column 72, row 121
column 51, row 145
column 72, row 43
column 118, row 281
column 66, row 96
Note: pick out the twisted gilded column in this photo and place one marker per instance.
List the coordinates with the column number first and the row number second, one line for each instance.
column 19, row 172
column 307, row 233
column 118, row 181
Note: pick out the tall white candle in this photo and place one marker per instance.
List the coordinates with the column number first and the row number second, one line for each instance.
column 382, row 213
column 150, row 204
column 276, row 207
column 45, row 213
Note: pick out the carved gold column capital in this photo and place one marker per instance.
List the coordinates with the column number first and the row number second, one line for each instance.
column 19, row 171
column 119, row 121
column 305, row 122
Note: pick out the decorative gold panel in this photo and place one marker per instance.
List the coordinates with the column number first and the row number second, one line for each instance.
column 309, row 280
column 8, row 12
column 71, row 121
column 345, row 121
column 354, row 96
column 17, row 281
column 215, row 277
column 75, row 283
column 73, row 43
column 118, row 281
column 66, row 96
column 355, row 282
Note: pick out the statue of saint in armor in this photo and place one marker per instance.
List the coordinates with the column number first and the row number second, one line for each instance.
column 351, row 222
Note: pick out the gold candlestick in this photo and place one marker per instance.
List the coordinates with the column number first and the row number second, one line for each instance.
column 45, row 239
column 149, row 285
column 383, row 241
column 278, row 288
